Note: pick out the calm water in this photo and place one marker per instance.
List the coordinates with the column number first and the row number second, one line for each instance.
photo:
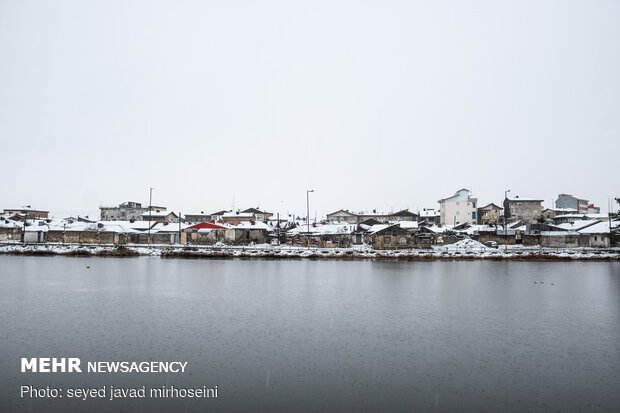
column 319, row 335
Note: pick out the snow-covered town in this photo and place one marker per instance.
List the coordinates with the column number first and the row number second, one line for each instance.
column 457, row 226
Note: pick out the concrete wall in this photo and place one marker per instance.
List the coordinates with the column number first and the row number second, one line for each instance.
column 500, row 239
column 564, row 241
column 599, row 241
column 89, row 237
column 390, row 242
column 244, row 236
column 10, row 234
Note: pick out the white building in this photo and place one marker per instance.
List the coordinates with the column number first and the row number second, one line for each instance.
column 459, row 208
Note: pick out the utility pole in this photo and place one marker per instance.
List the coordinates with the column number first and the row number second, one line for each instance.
column 24, row 231
column 150, row 209
column 505, row 225
column 308, row 214
column 609, row 204
column 278, row 228
column 179, row 227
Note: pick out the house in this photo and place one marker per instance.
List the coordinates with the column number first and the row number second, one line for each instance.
column 342, row 215
column 160, row 216
column 392, row 237
column 259, row 215
column 219, row 215
column 599, row 234
column 489, row 214
column 324, row 235
column 197, row 218
column 247, row 232
column 403, row 215
column 527, row 210
column 28, row 212
column 569, row 201
column 460, row 207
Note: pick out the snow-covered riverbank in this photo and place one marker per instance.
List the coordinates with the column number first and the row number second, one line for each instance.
column 465, row 250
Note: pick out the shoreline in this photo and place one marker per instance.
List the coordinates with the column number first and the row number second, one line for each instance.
column 275, row 252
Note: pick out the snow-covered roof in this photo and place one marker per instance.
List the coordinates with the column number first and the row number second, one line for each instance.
column 600, row 228
column 407, row 224
column 169, row 227
column 253, row 225
column 576, row 225
column 7, row 222
column 437, row 229
column 474, row 229
column 378, row 227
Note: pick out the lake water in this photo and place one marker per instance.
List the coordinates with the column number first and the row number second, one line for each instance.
column 319, row 335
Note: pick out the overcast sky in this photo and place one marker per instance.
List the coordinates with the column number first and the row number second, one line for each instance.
column 375, row 105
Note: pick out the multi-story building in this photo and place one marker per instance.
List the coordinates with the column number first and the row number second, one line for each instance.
column 127, row 211
column 569, row 201
column 459, row 208
column 526, row 210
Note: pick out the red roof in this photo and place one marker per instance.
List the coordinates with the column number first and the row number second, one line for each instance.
column 206, row 225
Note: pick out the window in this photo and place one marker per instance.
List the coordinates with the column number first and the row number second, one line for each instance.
column 387, row 239
column 473, row 215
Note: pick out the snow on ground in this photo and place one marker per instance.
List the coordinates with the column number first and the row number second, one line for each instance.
column 467, row 245
column 466, row 248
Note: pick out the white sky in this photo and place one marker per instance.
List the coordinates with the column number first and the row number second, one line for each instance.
column 380, row 104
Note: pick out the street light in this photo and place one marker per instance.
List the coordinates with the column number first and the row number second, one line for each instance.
column 505, row 226
column 308, row 214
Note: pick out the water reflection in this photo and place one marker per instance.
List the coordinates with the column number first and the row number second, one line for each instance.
column 332, row 335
